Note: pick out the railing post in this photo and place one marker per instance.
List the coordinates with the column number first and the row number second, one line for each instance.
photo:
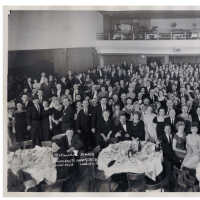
column 171, row 36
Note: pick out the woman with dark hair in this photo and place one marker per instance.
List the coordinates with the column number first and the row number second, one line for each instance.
column 19, row 123
column 192, row 157
column 46, row 121
column 138, row 130
column 159, row 120
column 186, row 117
column 128, row 108
column 179, row 141
column 57, row 113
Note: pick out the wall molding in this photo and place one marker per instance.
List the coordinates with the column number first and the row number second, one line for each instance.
column 169, row 47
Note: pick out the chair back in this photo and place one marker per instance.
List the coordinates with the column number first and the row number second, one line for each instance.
column 136, row 182
column 158, row 186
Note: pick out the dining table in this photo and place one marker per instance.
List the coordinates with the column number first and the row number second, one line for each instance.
column 126, row 157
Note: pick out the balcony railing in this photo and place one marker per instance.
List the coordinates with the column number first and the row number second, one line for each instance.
column 148, row 36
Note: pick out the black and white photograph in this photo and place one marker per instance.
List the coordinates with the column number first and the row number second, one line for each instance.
column 102, row 100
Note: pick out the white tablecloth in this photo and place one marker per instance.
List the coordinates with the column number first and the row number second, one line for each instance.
column 147, row 161
column 38, row 162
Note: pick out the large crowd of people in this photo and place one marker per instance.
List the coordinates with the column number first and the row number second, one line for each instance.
column 113, row 103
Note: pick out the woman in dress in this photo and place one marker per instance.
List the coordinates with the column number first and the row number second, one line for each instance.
column 150, row 127
column 159, row 120
column 179, row 141
column 19, row 123
column 46, row 121
column 186, row 117
column 128, row 109
column 162, row 98
column 192, row 157
column 57, row 113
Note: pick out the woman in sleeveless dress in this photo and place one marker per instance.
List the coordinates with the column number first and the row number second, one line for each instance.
column 192, row 157
column 150, row 127
column 179, row 141
column 159, row 120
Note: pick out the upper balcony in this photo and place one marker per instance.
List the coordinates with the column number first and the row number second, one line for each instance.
column 182, row 43
column 177, row 35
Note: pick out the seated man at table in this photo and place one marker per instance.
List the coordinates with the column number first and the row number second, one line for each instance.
column 123, row 131
column 138, row 130
column 69, row 145
column 104, row 129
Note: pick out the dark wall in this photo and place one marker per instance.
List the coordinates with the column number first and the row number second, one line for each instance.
column 33, row 62
column 184, row 59
column 116, row 59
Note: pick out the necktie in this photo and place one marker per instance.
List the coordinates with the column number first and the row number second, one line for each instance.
column 170, row 140
column 38, row 108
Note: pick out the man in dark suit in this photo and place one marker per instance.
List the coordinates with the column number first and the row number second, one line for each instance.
column 98, row 112
column 28, row 84
column 104, row 130
column 84, row 126
column 26, row 102
column 123, row 130
column 172, row 120
column 169, row 156
column 68, row 115
column 40, row 96
column 34, row 122
column 152, row 96
column 70, row 144
column 58, row 91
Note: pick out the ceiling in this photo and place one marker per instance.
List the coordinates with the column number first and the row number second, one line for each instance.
column 153, row 14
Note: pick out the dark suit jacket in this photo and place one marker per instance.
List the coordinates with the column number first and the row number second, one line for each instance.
column 68, row 118
column 83, row 121
column 97, row 115
column 104, row 127
column 168, row 152
column 26, row 85
column 33, row 114
column 120, row 129
column 138, row 131
column 173, row 126
column 64, row 144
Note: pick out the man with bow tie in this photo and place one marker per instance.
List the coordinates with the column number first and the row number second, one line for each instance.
column 123, row 130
